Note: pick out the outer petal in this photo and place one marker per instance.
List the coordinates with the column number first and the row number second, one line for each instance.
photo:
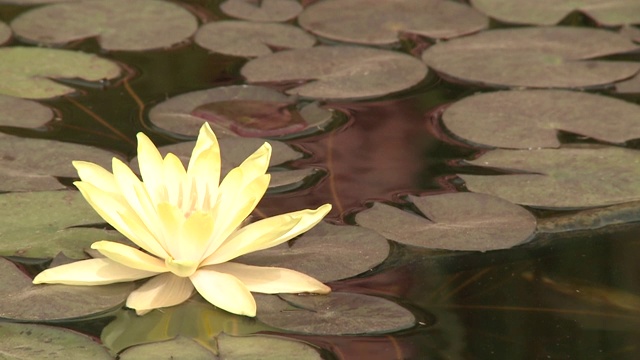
column 91, row 272
column 224, row 291
column 97, row 176
column 150, row 163
column 272, row 280
column 161, row 291
column 128, row 256
column 205, row 162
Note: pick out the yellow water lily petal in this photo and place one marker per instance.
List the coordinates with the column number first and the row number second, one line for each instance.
column 91, row 272
column 150, row 164
column 173, row 176
column 205, row 162
column 224, row 291
column 196, row 232
column 172, row 219
column 258, row 162
column 161, row 291
column 271, row 280
column 96, row 175
column 128, row 256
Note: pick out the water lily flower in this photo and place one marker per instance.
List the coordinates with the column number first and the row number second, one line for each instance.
column 188, row 225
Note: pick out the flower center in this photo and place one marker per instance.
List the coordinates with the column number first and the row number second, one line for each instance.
column 182, row 268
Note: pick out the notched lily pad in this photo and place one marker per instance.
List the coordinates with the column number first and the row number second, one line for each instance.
column 244, row 110
column 338, row 252
column 26, row 71
column 23, row 113
column 118, row 24
column 544, row 57
column 375, row 22
column 572, row 177
column 333, row 314
column 338, row 72
column 5, row 33
column 532, row 118
column 262, row 10
column 458, row 221
column 250, row 39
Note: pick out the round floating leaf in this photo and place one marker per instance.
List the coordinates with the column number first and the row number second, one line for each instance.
column 561, row 178
column 591, row 218
column 550, row 12
column 375, row 22
column 458, row 221
column 534, row 57
column 326, row 252
column 338, row 72
column 631, row 32
column 631, row 86
column 32, row 2
column 118, row 24
column 21, row 300
column 175, row 349
column 263, row 10
column 264, row 348
column 244, row 38
column 238, row 110
column 5, row 33
column 333, row 314
column 30, row 341
column 41, row 224
column 532, row 118
column 23, row 113
column 26, row 71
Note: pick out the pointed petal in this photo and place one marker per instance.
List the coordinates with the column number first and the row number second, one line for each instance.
column 174, row 176
column 161, row 291
column 96, row 175
column 172, row 219
column 205, row 162
column 91, row 272
column 128, row 256
column 224, row 291
column 271, row 280
column 196, row 235
column 150, row 164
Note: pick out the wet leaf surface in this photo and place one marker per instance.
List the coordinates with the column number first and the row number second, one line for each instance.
column 532, row 119
column 591, row 218
column 175, row 349
column 23, row 113
column 631, row 86
column 264, row 10
column 534, row 57
column 5, row 33
column 374, row 22
column 253, row 347
column 337, row 72
column 117, row 24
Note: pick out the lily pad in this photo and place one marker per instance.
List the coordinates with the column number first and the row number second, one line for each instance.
column 531, row 118
column 375, row 22
column 338, row 72
column 21, row 300
column 244, row 38
column 32, row 2
column 5, row 33
column 631, row 86
column 42, row 224
column 26, row 71
column 30, row 341
column 551, row 12
column 264, row 348
column 175, row 349
column 333, row 314
column 457, row 221
column 544, row 57
column 117, row 24
column 23, row 113
column 262, row 10
column 338, row 252
column 572, row 177
column 590, row 219
column 243, row 110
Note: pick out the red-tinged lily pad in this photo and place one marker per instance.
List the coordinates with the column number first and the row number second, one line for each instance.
column 336, row 313
column 31, row 341
column 21, row 300
column 250, row 39
column 5, row 33
column 117, row 24
column 27, row 71
column 569, row 177
column 457, row 221
column 262, row 10
column 375, row 22
column 338, row 72
column 23, row 113
column 532, row 118
column 251, row 111
column 544, row 57
column 551, row 12
column 338, row 252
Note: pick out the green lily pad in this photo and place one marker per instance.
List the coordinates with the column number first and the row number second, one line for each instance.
column 250, row 39
column 590, row 219
column 374, row 22
column 264, row 348
column 41, row 224
column 338, row 72
column 263, row 10
column 551, row 12
column 117, row 24
column 253, row 111
column 26, row 71
column 21, row 300
column 338, row 252
column 457, row 221
column 30, row 341
column 176, row 349
column 32, row 2
column 544, row 57
column 531, row 118
column 572, row 177
column 5, row 33
column 23, row 113
column 333, row 314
